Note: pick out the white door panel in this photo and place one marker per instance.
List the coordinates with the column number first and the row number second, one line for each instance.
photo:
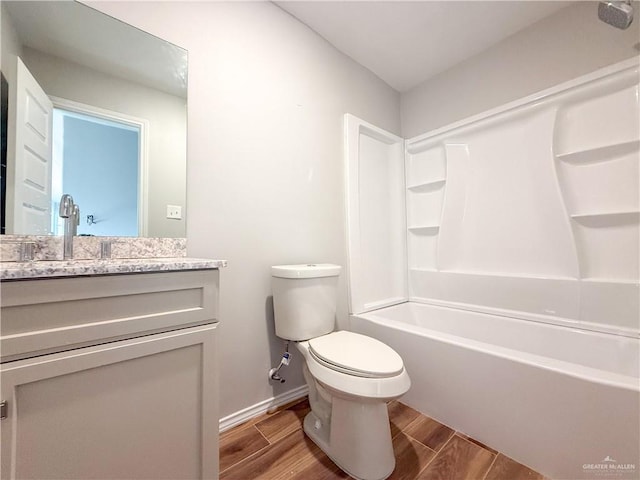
column 33, row 147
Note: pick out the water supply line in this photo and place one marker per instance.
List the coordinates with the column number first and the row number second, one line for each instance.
column 286, row 358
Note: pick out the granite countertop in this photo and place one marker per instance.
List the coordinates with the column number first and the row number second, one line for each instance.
column 69, row 268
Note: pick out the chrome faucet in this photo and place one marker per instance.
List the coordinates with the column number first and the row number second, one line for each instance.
column 71, row 214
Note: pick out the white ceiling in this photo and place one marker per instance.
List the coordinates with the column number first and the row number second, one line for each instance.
column 402, row 42
column 405, row 43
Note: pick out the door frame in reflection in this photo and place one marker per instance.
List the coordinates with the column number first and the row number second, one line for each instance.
column 141, row 125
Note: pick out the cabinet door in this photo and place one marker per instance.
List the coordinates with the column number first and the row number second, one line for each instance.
column 133, row 409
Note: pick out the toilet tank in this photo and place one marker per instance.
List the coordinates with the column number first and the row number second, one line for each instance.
column 304, row 299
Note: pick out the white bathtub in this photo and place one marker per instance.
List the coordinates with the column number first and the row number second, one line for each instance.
column 563, row 401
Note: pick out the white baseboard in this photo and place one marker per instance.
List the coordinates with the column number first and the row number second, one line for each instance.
column 248, row 413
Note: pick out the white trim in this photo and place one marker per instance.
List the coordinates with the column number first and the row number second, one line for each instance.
column 248, row 413
column 354, row 127
column 143, row 164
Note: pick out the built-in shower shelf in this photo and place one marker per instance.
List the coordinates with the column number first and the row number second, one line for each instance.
column 427, row 186
column 600, row 154
column 625, row 216
column 612, row 281
column 424, row 229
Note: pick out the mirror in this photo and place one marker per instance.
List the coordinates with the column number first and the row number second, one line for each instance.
column 109, row 126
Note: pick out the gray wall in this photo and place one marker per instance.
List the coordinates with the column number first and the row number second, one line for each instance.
column 265, row 169
column 563, row 46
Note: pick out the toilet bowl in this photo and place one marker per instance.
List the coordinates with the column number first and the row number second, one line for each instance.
column 349, row 419
column 351, row 377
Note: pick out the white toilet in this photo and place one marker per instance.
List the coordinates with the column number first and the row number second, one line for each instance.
column 350, row 376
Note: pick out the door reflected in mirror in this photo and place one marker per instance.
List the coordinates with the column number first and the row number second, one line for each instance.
column 107, row 186
column 109, row 127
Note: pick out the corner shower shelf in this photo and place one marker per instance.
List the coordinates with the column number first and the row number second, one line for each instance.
column 427, row 186
column 613, row 281
column 424, row 229
column 600, row 154
column 622, row 216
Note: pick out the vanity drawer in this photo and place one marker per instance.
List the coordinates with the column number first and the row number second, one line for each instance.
column 51, row 315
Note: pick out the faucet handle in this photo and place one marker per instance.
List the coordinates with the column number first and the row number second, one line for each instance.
column 105, row 248
column 21, row 251
column 27, row 251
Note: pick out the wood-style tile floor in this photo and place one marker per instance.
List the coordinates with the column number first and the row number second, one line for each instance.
column 274, row 447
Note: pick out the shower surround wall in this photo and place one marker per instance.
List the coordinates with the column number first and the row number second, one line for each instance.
column 532, row 209
column 518, row 284
column 529, row 210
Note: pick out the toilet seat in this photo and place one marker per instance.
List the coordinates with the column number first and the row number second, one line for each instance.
column 357, row 355
column 348, row 385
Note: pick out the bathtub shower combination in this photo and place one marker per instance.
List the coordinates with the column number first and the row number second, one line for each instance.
column 499, row 256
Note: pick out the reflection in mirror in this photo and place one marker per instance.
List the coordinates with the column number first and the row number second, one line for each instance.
column 97, row 111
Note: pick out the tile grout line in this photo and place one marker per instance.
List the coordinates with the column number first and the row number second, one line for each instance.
column 256, row 453
column 433, row 436
column 418, row 441
column 495, row 455
column 453, row 432
column 437, row 453
column 495, row 458
column 429, row 463
column 486, row 448
column 402, row 430
column 299, row 460
column 263, row 435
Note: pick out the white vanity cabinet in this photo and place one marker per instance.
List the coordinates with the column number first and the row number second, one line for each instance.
column 110, row 377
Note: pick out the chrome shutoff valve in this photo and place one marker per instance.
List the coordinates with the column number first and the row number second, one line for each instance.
column 274, row 372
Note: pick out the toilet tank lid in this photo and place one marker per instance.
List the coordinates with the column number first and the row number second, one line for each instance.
column 310, row 270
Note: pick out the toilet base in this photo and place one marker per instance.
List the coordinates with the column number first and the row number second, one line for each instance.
column 358, row 440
